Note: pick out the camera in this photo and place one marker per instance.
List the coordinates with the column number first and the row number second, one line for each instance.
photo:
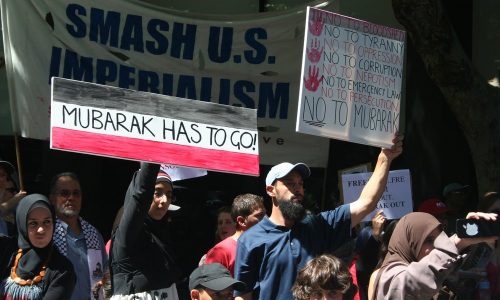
column 472, row 228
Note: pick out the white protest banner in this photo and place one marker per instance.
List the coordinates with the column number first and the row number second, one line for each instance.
column 250, row 61
column 180, row 173
column 396, row 200
column 352, row 73
column 109, row 121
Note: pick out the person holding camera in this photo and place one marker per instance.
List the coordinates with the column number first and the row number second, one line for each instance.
column 421, row 256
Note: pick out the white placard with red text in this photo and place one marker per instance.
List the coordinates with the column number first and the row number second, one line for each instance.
column 351, row 80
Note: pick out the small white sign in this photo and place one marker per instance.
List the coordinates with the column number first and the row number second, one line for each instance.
column 396, row 201
column 180, row 173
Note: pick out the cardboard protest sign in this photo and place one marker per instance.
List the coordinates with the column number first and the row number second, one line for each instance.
column 396, row 200
column 109, row 121
column 352, row 74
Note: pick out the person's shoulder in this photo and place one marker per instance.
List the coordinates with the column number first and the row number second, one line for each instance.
column 222, row 244
column 326, row 219
column 59, row 262
column 260, row 233
column 93, row 229
column 262, row 227
column 221, row 248
column 7, row 239
column 87, row 223
column 340, row 212
column 60, row 274
column 226, row 242
column 8, row 244
column 60, row 227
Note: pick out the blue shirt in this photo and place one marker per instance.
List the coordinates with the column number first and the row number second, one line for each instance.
column 269, row 256
column 77, row 254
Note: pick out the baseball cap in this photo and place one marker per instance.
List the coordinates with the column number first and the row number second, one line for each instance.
column 433, row 206
column 164, row 177
column 453, row 187
column 9, row 168
column 282, row 169
column 215, row 277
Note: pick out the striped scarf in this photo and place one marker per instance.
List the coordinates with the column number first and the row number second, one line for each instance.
column 94, row 251
column 90, row 233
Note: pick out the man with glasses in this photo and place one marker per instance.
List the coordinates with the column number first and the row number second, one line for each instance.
column 76, row 239
column 213, row 282
column 142, row 261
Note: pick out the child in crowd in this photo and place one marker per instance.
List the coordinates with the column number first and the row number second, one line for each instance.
column 324, row 277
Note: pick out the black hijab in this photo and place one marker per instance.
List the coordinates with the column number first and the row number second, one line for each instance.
column 32, row 259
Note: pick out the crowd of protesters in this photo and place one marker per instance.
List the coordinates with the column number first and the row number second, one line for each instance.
column 48, row 251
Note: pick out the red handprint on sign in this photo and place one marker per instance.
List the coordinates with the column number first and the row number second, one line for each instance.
column 314, row 53
column 316, row 27
column 312, row 83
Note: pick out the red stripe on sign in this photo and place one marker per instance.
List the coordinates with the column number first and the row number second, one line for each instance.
column 137, row 149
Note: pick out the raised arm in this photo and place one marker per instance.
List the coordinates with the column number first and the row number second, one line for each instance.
column 136, row 205
column 375, row 187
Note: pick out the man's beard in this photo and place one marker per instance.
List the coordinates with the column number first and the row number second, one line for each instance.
column 291, row 210
column 67, row 212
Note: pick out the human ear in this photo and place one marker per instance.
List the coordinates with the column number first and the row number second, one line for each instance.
column 241, row 221
column 195, row 294
column 270, row 191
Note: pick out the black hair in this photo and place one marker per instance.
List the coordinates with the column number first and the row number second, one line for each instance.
column 54, row 180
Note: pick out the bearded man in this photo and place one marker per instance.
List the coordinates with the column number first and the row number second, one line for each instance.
column 270, row 253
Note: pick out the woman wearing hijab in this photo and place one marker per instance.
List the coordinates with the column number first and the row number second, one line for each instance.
column 420, row 256
column 141, row 255
column 32, row 268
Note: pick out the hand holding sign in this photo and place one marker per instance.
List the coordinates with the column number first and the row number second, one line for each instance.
column 352, row 74
column 396, row 149
column 378, row 224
